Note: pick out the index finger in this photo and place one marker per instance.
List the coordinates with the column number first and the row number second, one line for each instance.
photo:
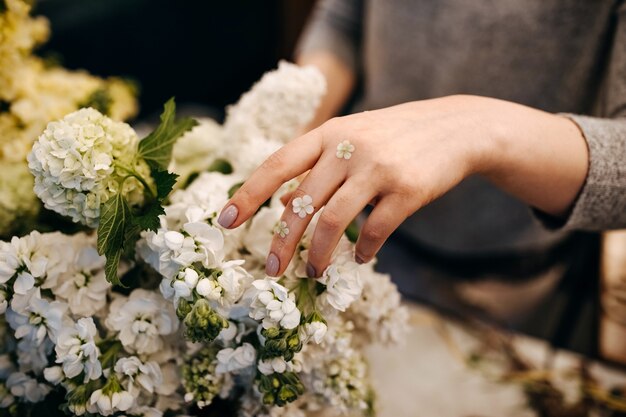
column 288, row 162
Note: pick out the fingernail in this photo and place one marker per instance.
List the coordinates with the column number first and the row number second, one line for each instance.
column 359, row 260
column 310, row 271
column 228, row 216
column 272, row 264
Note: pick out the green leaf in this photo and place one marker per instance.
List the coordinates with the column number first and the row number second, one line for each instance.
column 111, row 265
column 114, row 218
column 164, row 181
column 149, row 218
column 156, row 148
column 114, row 214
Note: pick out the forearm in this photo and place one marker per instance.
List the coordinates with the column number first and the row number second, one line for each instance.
column 540, row 158
column 340, row 81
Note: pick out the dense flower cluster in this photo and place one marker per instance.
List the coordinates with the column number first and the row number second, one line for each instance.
column 200, row 323
column 33, row 93
column 82, row 160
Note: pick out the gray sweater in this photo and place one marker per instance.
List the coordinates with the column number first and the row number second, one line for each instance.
column 564, row 56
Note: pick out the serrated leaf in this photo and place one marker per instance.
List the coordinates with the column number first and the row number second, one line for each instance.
column 111, row 265
column 149, row 218
column 114, row 214
column 156, row 148
column 164, row 181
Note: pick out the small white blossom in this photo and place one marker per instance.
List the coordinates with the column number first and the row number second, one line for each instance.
column 281, row 229
column 107, row 404
column 343, row 285
column 302, row 206
column 270, row 366
column 142, row 320
column 316, row 331
column 77, row 352
column 274, row 305
column 23, row 386
column 54, row 375
column 146, row 375
column 233, row 360
column 344, row 150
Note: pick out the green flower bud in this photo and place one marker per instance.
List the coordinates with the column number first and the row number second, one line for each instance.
column 203, row 324
column 183, row 309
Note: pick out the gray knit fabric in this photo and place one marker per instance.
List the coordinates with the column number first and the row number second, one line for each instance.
column 556, row 55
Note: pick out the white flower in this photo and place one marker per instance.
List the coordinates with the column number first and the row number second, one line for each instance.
column 107, row 404
column 232, row 360
column 40, row 318
column 344, row 150
column 142, row 320
column 281, row 229
column 274, row 305
column 209, row 289
column 302, row 206
column 343, row 285
column 75, row 162
column 54, row 375
column 84, row 288
column 147, row 375
column 316, row 330
column 270, row 366
column 77, row 352
column 23, row 386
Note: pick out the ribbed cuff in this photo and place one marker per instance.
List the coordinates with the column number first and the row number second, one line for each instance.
column 601, row 203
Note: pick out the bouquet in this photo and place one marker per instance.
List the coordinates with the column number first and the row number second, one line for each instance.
column 152, row 308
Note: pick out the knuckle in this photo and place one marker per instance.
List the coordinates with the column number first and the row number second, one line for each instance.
column 329, row 221
column 273, row 162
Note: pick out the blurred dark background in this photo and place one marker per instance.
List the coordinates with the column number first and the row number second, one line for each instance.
column 202, row 52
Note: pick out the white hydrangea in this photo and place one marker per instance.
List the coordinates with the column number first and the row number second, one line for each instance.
column 80, row 161
column 274, row 305
column 142, row 320
column 279, row 104
column 77, row 352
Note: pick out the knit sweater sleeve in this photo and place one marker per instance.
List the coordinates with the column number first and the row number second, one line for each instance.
column 601, row 203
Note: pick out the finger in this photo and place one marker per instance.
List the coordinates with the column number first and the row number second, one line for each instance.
column 340, row 210
column 318, row 186
column 388, row 214
column 286, row 163
column 286, row 198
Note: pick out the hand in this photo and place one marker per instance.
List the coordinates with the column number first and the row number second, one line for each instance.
column 405, row 157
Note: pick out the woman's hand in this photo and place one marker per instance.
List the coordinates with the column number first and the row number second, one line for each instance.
column 403, row 158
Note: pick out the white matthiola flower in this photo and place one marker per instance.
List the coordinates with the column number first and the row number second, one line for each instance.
column 54, row 375
column 232, row 360
column 39, row 319
column 234, row 280
column 316, row 330
column 343, row 285
column 274, row 305
column 302, row 206
column 74, row 164
column 85, row 288
column 281, row 229
column 147, row 375
column 23, row 386
column 109, row 403
column 344, row 150
column 142, row 320
column 209, row 289
column 270, row 366
column 77, row 352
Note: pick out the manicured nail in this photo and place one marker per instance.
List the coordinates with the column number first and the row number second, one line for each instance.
column 228, row 216
column 310, row 271
column 359, row 260
column 271, row 265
